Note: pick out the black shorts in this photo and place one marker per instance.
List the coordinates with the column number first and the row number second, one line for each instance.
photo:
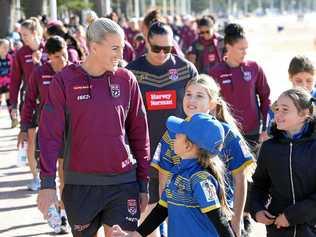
column 153, row 190
column 89, row 207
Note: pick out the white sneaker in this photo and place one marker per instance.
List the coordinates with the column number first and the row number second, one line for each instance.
column 35, row 184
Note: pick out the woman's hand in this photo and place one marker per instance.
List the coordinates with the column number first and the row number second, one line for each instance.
column 281, row 221
column 265, row 217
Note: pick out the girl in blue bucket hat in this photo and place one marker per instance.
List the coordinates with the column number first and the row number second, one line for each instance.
column 194, row 199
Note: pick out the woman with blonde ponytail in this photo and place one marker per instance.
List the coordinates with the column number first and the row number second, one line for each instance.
column 202, row 95
column 25, row 60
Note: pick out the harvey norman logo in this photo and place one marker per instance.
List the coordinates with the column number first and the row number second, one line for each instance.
column 161, row 100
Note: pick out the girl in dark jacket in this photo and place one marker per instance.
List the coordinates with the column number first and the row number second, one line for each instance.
column 284, row 189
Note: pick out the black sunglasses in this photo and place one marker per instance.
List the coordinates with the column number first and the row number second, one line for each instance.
column 204, row 32
column 157, row 49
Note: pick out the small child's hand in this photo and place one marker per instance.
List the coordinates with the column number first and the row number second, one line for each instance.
column 118, row 232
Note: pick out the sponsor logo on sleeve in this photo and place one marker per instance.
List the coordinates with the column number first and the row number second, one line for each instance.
column 161, row 100
column 208, row 190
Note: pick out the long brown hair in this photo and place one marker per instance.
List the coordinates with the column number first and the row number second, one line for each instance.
column 216, row 167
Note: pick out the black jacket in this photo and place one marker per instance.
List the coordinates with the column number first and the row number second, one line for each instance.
column 285, row 182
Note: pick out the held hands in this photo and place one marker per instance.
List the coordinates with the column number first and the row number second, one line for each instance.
column 281, row 221
column 265, row 217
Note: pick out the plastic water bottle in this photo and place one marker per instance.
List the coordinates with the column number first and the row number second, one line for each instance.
column 54, row 220
column 22, row 155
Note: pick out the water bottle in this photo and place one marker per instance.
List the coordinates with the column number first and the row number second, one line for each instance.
column 22, row 155
column 54, row 220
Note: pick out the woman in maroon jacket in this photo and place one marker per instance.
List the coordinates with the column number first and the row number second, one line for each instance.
column 25, row 60
column 95, row 110
column 244, row 86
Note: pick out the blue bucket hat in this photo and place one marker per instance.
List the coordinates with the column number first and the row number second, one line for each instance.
column 202, row 129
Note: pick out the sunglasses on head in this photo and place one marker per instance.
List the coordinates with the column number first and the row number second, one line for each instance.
column 157, row 49
column 204, row 32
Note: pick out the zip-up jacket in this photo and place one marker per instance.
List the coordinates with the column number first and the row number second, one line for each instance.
column 39, row 82
column 22, row 68
column 240, row 87
column 285, row 182
column 105, row 126
column 208, row 52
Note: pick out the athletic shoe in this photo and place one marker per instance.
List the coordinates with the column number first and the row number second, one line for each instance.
column 35, row 184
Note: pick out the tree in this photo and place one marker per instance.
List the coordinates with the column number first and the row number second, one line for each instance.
column 5, row 17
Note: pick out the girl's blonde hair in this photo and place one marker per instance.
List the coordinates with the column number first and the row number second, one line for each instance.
column 222, row 112
column 216, row 167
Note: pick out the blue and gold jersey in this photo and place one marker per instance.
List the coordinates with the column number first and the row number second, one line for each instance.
column 190, row 193
column 234, row 154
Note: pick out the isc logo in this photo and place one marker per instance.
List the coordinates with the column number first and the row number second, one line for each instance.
column 83, row 97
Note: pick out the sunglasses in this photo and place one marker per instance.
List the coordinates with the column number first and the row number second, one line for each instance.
column 204, row 32
column 157, row 49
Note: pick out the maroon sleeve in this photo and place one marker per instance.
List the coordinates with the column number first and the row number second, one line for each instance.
column 138, row 135
column 263, row 90
column 51, row 130
column 15, row 80
column 30, row 100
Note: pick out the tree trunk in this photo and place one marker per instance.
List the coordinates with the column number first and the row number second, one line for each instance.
column 33, row 8
column 5, row 17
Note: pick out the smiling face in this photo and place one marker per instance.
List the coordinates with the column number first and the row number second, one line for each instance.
column 108, row 52
column 287, row 116
column 197, row 100
column 303, row 80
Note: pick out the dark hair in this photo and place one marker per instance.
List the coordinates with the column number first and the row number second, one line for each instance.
column 152, row 17
column 300, row 64
column 207, row 21
column 159, row 28
column 70, row 40
column 233, row 33
column 301, row 99
column 55, row 44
